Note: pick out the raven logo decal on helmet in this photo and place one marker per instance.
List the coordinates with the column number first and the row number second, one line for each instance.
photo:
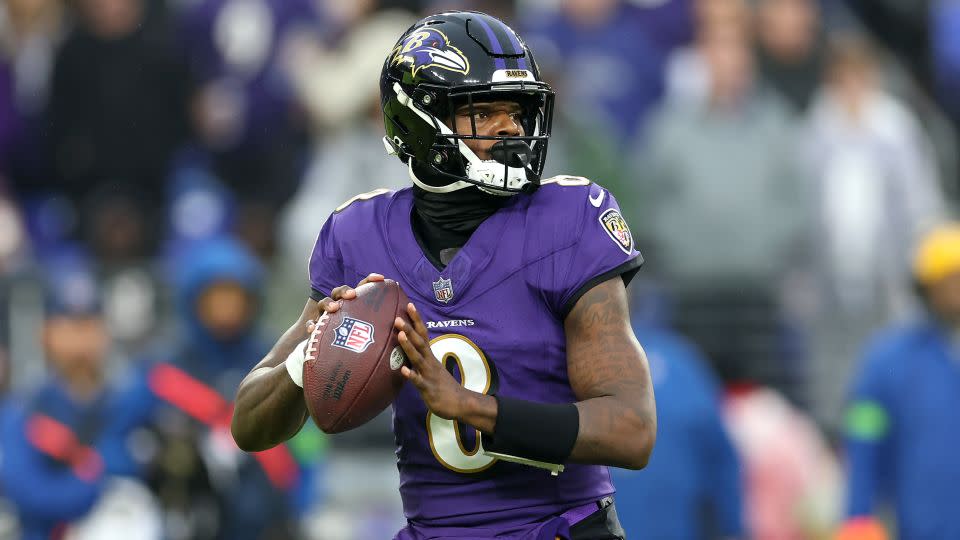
column 429, row 47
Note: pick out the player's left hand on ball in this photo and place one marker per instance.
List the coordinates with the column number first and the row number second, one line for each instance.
column 440, row 391
column 333, row 302
column 346, row 292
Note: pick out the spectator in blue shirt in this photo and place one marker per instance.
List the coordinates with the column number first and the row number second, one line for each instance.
column 189, row 388
column 902, row 421
column 692, row 487
column 63, row 442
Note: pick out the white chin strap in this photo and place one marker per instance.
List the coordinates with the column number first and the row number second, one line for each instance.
column 488, row 172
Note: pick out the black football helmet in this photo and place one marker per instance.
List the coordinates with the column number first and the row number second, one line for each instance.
column 456, row 59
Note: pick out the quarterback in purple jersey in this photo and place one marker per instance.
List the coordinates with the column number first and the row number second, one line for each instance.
column 525, row 379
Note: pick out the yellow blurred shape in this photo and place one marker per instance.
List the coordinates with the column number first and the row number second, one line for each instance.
column 938, row 255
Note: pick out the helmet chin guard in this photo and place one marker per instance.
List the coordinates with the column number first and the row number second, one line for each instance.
column 455, row 60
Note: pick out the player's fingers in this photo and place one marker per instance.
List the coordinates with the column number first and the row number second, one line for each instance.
column 311, row 325
column 419, row 341
column 329, row 305
column 371, row 278
column 412, row 376
column 413, row 355
column 415, row 337
column 343, row 292
column 416, row 346
column 417, row 321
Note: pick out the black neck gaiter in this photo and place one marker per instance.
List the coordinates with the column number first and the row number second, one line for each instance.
column 446, row 220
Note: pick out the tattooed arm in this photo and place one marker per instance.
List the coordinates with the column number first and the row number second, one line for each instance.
column 607, row 369
column 610, row 377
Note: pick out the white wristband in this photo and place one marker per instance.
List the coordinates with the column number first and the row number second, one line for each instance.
column 303, row 352
column 295, row 362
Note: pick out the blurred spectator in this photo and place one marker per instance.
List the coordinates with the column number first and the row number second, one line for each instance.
column 9, row 528
column 875, row 182
column 356, row 58
column 200, row 208
column 669, row 23
column 30, row 31
column 207, row 486
column 944, row 23
column 790, row 55
column 8, row 117
column 581, row 140
column 902, row 427
column 117, row 113
column 351, row 163
column 604, row 62
column 14, row 243
column 245, row 117
column 349, row 158
column 692, row 487
column 875, row 187
column 505, row 10
column 721, row 218
column 901, row 26
column 581, row 143
column 63, row 443
column 792, row 489
column 687, row 76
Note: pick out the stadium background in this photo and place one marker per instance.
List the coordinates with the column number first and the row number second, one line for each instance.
column 776, row 159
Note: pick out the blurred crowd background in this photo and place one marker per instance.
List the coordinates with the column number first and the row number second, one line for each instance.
column 165, row 166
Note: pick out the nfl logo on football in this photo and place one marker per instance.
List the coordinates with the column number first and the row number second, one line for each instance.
column 353, row 334
column 443, row 290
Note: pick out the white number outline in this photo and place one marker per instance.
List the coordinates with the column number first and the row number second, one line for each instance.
column 436, row 427
column 362, row 197
column 567, row 181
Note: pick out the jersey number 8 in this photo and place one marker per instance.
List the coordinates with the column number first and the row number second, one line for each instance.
column 476, row 374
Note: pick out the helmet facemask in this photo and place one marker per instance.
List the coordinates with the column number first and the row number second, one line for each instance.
column 516, row 161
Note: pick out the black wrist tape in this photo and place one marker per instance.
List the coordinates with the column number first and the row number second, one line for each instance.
column 538, row 431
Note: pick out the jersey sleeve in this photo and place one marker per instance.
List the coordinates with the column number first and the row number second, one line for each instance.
column 603, row 247
column 326, row 262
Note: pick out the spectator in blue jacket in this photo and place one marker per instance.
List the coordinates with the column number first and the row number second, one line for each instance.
column 692, row 487
column 902, row 423
column 62, row 443
column 220, row 492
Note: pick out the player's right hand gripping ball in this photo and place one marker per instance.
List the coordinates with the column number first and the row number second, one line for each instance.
column 352, row 367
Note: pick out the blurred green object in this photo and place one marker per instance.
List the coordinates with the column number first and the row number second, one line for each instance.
column 310, row 445
column 867, row 420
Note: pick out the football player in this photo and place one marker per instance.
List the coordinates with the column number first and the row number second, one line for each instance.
column 526, row 379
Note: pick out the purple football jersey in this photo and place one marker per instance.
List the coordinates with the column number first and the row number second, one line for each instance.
column 495, row 317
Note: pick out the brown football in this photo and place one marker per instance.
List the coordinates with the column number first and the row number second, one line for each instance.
column 352, row 370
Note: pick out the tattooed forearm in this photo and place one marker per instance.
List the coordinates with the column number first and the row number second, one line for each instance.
column 609, row 374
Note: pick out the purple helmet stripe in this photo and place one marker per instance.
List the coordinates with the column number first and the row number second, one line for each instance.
column 494, row 43
column 521, row 62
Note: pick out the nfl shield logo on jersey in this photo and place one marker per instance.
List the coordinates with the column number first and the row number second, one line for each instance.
column 353, row 334
column 443, row 290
